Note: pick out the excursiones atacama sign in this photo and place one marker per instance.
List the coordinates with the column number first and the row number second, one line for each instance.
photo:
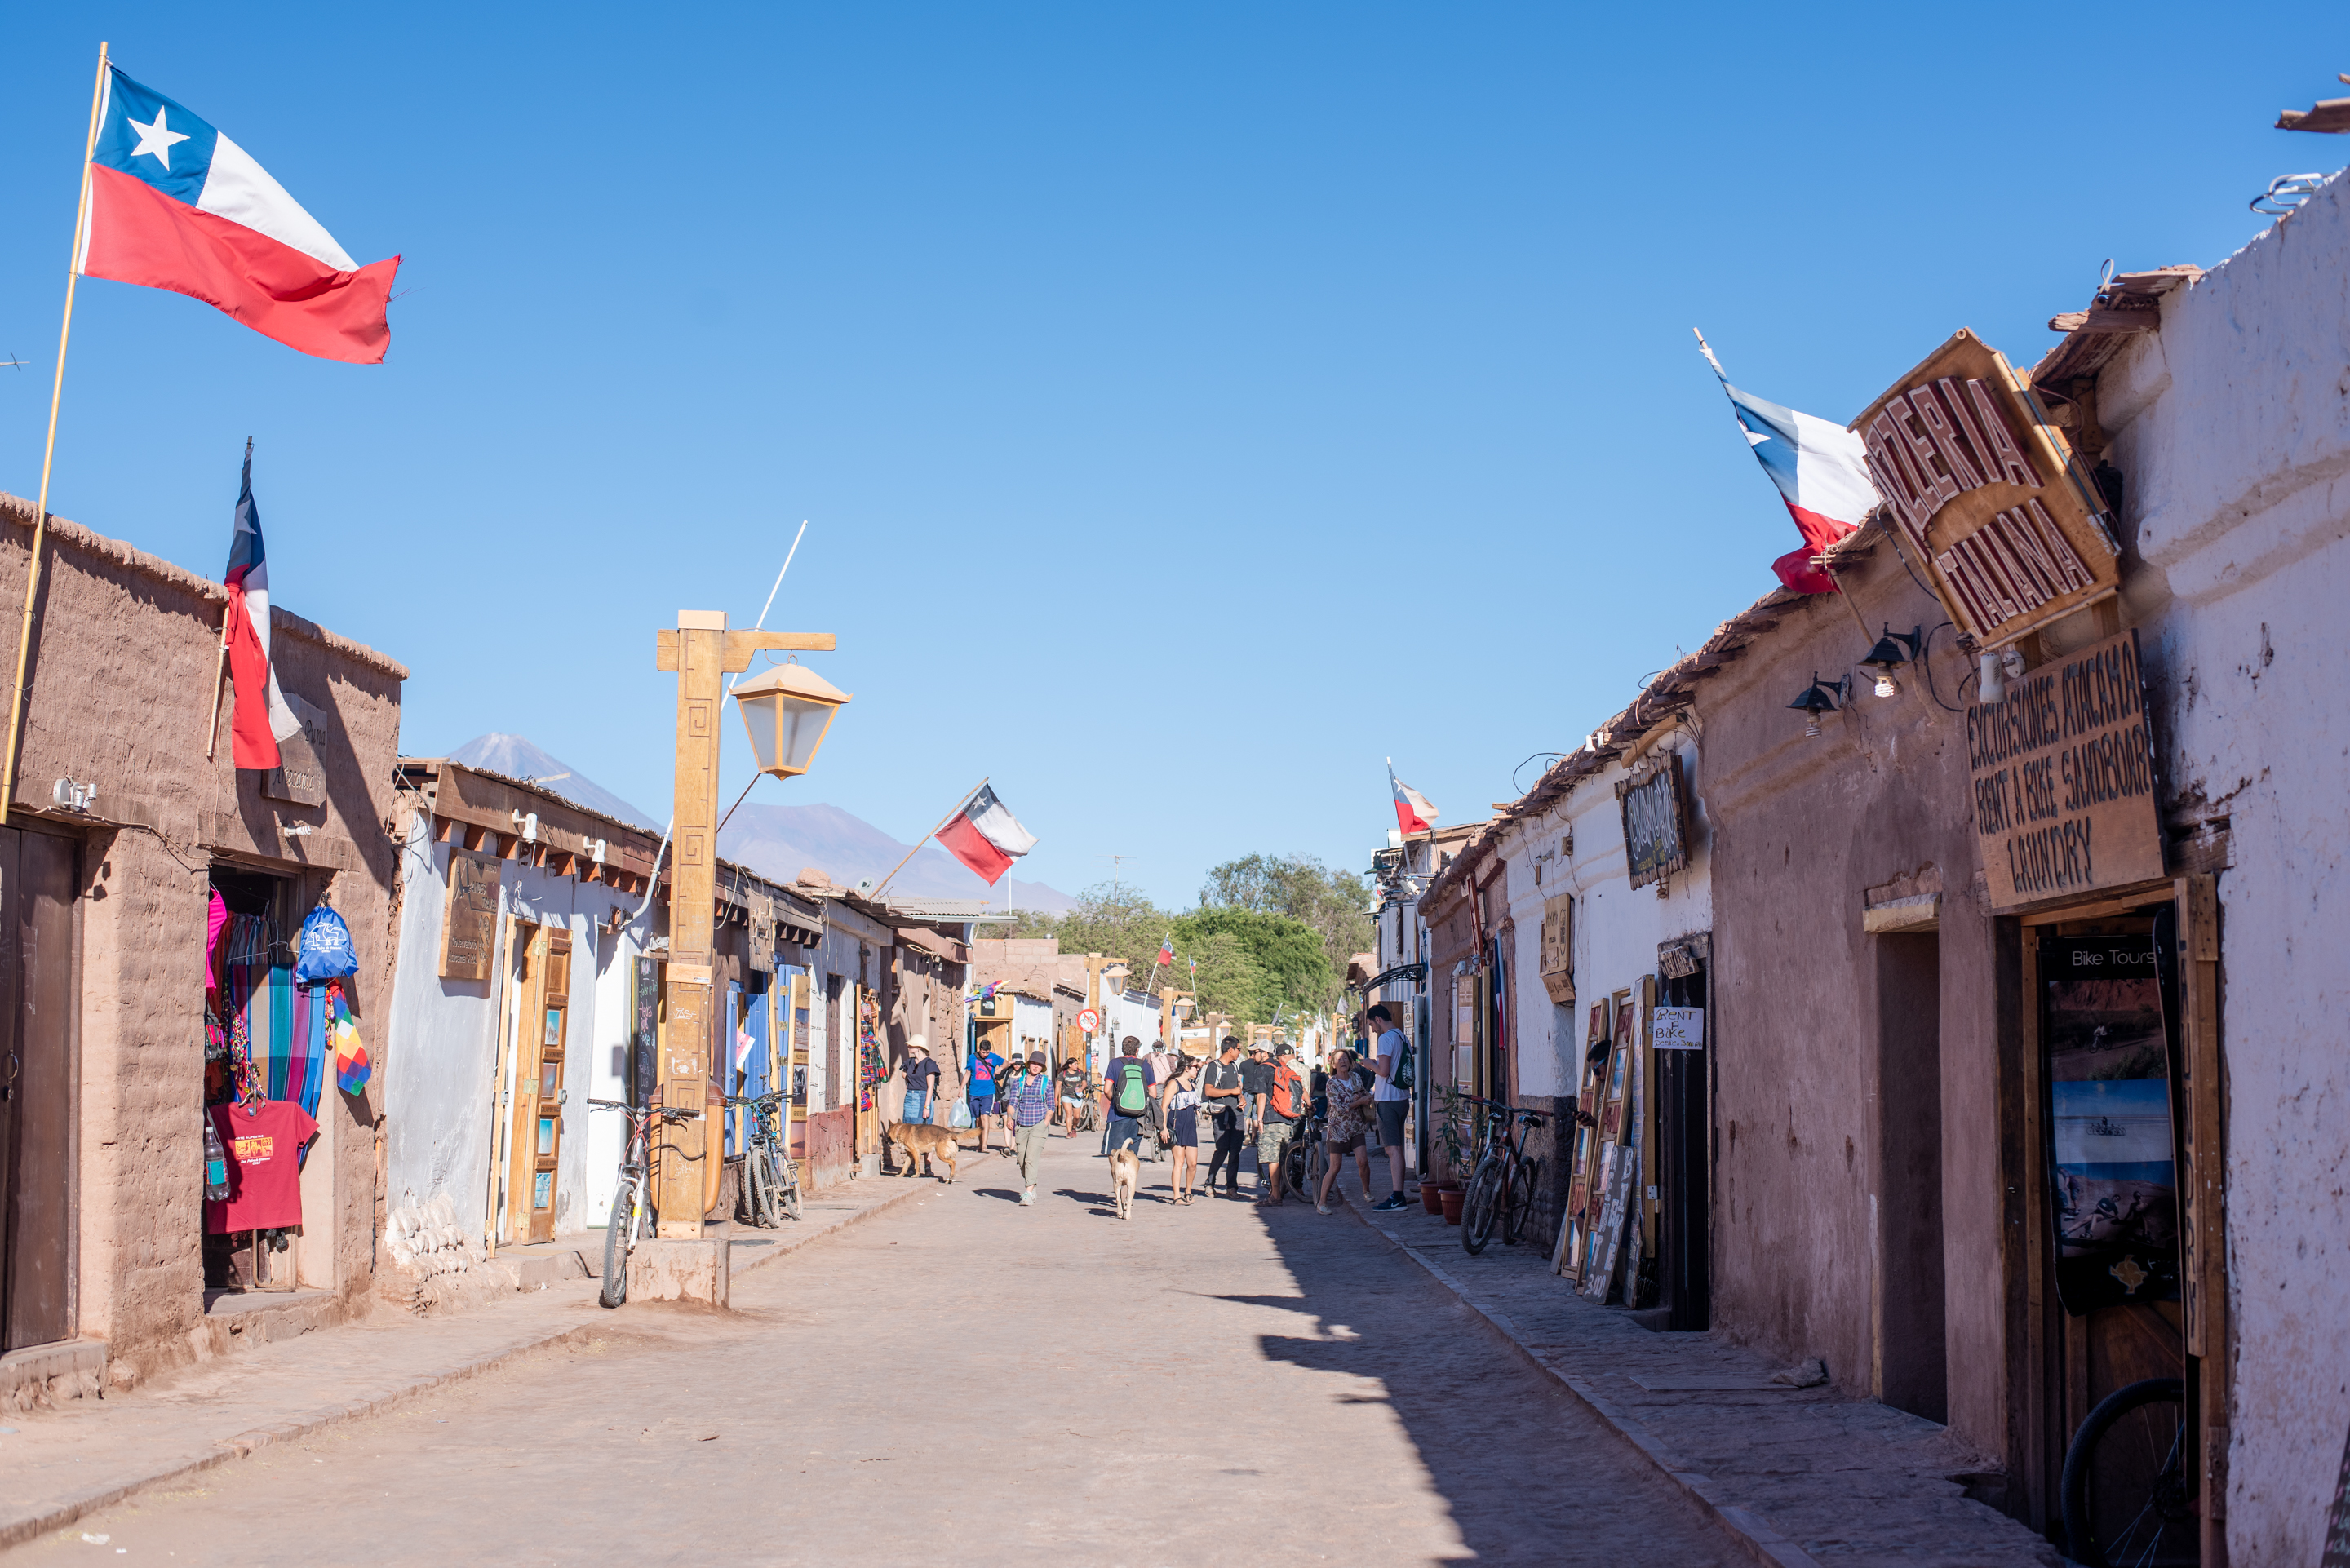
column 2064, row 779
column 1987, row 499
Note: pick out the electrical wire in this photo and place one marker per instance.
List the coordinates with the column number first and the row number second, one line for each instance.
column 1555, row 756
column 1925, row 659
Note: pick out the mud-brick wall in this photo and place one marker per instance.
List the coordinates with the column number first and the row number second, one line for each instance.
column 1849, row 1066
column 119, row 696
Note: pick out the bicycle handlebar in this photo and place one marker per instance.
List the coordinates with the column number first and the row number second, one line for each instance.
column 667, row 1113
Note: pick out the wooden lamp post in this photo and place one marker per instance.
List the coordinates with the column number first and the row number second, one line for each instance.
column 702, row 652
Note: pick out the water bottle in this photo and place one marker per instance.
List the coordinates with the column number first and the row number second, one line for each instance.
column 215, row 1163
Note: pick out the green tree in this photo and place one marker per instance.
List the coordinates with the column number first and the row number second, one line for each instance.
column 1289, row 970
column 1110, row 918
column 1328, row 901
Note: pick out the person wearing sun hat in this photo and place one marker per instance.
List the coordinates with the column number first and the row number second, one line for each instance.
column 1027, row 1100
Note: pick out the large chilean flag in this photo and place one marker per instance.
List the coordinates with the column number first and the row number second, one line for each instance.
column 1821, row 470
column 175, row 204
column 986, row 837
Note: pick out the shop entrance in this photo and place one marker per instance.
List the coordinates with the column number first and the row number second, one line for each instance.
column 1911, row 1370
column 1684, row 1117
column 38, row 1086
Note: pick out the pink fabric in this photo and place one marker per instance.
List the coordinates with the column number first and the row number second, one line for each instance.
column 214, row 924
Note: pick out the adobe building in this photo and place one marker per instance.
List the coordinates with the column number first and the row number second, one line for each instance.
column 119, row 834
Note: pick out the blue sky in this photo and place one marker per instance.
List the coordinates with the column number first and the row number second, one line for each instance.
column 1192, row 405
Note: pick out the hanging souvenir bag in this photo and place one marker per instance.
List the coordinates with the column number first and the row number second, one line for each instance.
column 326, row 948
column 352, row 1068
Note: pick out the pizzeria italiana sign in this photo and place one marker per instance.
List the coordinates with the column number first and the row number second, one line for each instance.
column 1987, row 496
column 2064, row 779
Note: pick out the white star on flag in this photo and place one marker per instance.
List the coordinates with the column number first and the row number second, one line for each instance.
column 156, row 139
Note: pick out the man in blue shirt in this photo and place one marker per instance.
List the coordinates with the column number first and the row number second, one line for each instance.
column 986, row 1066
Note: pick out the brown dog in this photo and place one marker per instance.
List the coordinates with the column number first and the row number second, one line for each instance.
column 1125, row 1175
column 916, row 1140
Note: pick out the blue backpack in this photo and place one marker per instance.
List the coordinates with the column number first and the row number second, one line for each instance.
column 326, row 950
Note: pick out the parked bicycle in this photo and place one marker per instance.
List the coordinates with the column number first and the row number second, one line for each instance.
column 1503, row 1186
column 1304, row 1158
column 634, row 1216
column 770, row 1177
column 2129, row 1491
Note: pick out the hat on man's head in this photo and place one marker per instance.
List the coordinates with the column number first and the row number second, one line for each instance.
column 1036, row 1058
column 1283, row 1049
column 1260, row 1044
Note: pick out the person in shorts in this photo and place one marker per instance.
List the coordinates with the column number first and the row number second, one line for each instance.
column 986, row 1067
column 1276, row 1107
column 1130, row 1084
column 1178, row 1103
column 1390, row 1100
column 1348, row 1127
column 1073, row 1096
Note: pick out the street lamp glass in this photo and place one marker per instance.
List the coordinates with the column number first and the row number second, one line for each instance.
column 787, row 709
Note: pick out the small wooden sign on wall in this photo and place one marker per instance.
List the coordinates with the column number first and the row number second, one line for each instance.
column 2064, row 779
column 469, row 929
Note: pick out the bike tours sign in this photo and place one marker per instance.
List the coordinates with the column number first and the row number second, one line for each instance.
column 2064, row 779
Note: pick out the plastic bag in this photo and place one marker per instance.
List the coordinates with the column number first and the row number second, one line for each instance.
column 959, row 1118
column 326, row 948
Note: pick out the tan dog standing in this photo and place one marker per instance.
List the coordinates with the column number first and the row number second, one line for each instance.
column 916, row 1140
column 1125, row 1175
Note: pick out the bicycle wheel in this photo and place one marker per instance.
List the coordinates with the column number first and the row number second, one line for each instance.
column 758, row 1189
column 1519, row 1206
column 790, row 1190
column 1293, row 1164
column 2128, row 1492
column 1480, row 1208
column 614, row 1289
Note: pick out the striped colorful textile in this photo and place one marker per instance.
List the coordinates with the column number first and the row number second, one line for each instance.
column 286, row 1030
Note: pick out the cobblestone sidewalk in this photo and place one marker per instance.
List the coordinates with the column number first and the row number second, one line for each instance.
column 1811, row 1478
column 57, row 1466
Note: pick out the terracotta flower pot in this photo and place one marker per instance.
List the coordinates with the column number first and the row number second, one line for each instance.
column 1431, row 1198
column 1451, row 1197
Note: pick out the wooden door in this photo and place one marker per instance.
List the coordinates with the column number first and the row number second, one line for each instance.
column 797, row 1079
column 38, row 1086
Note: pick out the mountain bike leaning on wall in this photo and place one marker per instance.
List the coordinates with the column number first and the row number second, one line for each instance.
column 633, row 1216
column 770, row 1179
column 1502, row 1186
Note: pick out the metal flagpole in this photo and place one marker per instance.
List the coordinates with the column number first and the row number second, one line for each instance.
column 925, row 838
column 48, row 454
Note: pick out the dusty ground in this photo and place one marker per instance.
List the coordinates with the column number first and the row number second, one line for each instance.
column 962, row 1380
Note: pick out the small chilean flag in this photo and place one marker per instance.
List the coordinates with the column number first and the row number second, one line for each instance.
column 175, row 204
column 1413, row 814
column 1167, row 951
column 1822, row 473
column 986, row 837
column 261, row 719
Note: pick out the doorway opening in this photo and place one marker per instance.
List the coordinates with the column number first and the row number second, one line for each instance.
column 40, row 1079
column 1911, row 1369
column 1684, row 1151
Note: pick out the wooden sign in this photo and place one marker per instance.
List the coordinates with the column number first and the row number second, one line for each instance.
column 2064, row 779
column 1988, row 497
column 469, row 925
column 1677, row 1028
column 1558, row 948
column 762, row 931
column 300, row 776
column 1656, row 842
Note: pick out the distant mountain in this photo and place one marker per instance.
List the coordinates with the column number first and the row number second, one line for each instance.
column 518, row 759
column 776, row 841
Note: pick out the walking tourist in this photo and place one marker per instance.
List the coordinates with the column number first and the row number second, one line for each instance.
column 1129, row 1099
column 985, row 1068
column 1073, row 1096
column 1228, row 1113
column 1390, row 1095
column 1349, row 1117
column 1028, row 1104
column 1179, row 1100
column 922, row 1081
column 1277, row 1110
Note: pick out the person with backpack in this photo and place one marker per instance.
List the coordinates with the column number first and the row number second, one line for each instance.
column 1225, row 1091
column 1028, row 1104
column 1129, row 1083
column 986, row 1066
column 1277, row 1110
column 1390, row 1096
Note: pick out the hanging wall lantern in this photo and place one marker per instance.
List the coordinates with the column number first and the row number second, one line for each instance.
column 787, row 709
column 1820, row 698
column 1888, row 654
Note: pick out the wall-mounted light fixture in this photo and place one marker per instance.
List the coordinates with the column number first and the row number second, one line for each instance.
column 1996, row 670
column 1820, row 698
column 1888, row 654
column 71, row 796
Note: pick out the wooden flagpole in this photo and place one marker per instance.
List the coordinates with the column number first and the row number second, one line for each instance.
column 925, row 838
column 48, row 454
column 220, row 665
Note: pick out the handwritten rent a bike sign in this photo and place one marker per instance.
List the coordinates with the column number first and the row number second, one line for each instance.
column 2064, row 779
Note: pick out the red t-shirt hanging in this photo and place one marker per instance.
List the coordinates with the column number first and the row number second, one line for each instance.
column 265, row 1166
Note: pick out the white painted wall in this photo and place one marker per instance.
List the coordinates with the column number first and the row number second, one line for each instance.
column 1618, row 927
column 2231, row 426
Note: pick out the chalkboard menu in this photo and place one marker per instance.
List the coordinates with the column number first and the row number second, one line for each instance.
column 1656, row 843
